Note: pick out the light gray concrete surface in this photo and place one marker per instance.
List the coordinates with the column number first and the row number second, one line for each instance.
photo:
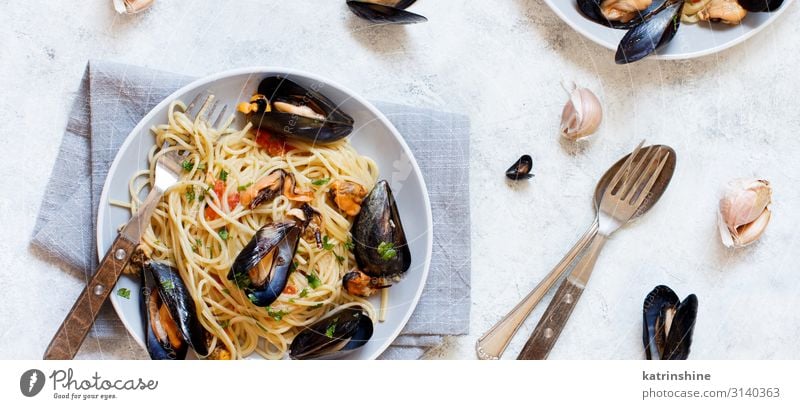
column 730, row 115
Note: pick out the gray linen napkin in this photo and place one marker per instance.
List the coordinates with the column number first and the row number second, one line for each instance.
column 113, row 97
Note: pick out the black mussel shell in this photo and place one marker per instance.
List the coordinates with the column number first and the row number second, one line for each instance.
column 279, row 89
column 334, row 336
column 278, row 240
column 646, row 38
column 381, row 248
column 162, row 285
column 521, row 169
column 591, row 10
column 668, row 324
column 760, row 5
column 382, row 14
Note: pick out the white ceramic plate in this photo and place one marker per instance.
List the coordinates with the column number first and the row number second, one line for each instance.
column 373, row 136
column 691, row 41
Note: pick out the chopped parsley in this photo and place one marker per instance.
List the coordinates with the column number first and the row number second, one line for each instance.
column 197, row 244
column 387, row 251
column 314, row 307
column 224, row 324
column 276, row 315
column 321, row 182
column 223, row 233
column 303, row 293
column 223, row 175
column 242, row 188
column 168, row 285
column 313, row 280
column 349, row 244
column 190, row 194
column 339, row 258
column 326, row 244
column 252, row 298
column 331, row 328
column 242, row 280
column 189, row 165
column 124, row 293
column 293, row 267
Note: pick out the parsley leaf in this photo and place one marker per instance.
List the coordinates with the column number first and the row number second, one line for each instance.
column 331, row 329
column 314, row 307
column 223, row 175
column 339, row 258
column 124, row 293
column 190, row 194
column 293, row 267
column 387, row 251
column 303, row 293
column 321, row 182
column 276, row 315
column 168, row 285
column 187, row 165
column 326, row 244
column 223, row 233
column 349, row 244
column 313, row 280
column 224, row 324
column 242, row 188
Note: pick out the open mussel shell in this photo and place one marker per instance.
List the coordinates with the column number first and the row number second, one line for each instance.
column 591, row 10
column 171, row 322
column 649, row 36
column 262, row 267
column 521, row 169
column 385, row 11
column 668, row 324
column 760, row 5
column 287, row 109
column 381, row 249
column 333, row 336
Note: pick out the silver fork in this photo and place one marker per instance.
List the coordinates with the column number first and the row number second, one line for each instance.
column 79, row 321
column 625, row 193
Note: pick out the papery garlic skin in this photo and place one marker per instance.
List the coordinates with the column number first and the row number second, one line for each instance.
column 581, row 115
column 744, row 212
column 131, row 6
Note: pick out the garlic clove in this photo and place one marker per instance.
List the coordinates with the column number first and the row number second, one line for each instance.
column 131, row 6
column 581, row 115
column 743, row 212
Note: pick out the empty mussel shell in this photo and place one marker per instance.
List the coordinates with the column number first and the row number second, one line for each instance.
column 658, row 29
column 262, row 267
column 333, row 336
column 668, row 324
column 385, row 11
column 171, row 321
column 521, row 169
column 283, row 107
column 381, row 249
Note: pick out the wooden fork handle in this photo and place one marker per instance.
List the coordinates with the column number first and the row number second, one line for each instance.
column 79, row 321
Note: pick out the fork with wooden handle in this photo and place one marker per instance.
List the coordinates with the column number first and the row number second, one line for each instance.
column 79, row 321
column 625, row 194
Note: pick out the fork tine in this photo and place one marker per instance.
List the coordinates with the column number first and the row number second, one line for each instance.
column 192, row 104
column 210, row 111
column 642, row 165
column 220, row 116
column 642, row 177
column 651, row 181
column 612, row 185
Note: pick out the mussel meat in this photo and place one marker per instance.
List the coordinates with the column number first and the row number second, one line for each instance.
column 282, row 107
column 760, row 5
column 521, row 169
column 361, row 285
column 619, row 14
column 385, row 11
column 333, row 336
column 171, row 322
column 649, row 36
column 381, row 248
column 668, row 324
column 269, row 187
column 263, row 266
column 348, row 196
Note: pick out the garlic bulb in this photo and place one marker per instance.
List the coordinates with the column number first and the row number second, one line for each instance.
column 131, row 6
column 581, row 115
column 744, row 211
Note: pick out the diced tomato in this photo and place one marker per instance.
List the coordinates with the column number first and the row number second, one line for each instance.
column 290, row 289
column 274, row 145
column 210, row 214
column 219, row 188
column 233, row 200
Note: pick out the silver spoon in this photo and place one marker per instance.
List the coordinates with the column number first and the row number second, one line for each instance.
column 495, row 341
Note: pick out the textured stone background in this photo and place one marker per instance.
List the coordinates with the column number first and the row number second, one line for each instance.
column 730, row 115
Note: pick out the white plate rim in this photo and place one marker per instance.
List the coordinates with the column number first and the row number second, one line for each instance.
column 254, row 70
column 678, row 56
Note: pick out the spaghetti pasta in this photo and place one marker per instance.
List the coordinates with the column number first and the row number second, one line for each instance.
column 200, row 227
